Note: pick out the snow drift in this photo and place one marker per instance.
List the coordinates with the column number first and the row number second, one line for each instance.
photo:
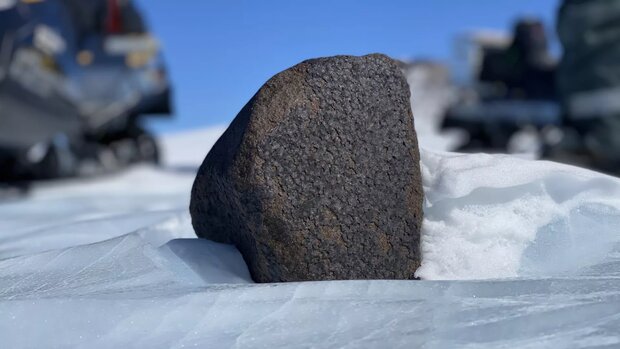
column 495, row 216
column 113, row 262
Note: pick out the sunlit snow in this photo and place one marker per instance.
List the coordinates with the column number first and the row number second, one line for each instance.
column 532, row 250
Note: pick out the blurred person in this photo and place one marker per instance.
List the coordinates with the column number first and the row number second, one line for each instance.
column 588, row 82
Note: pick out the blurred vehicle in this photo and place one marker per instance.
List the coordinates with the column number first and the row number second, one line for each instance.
column 589, row 85
column 509, row 97
column 76, row 78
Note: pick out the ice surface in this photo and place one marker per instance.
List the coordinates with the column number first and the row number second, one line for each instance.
column 396, row 314
column 113, row 262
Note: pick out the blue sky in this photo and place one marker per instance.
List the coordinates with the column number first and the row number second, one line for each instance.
column 221, row 51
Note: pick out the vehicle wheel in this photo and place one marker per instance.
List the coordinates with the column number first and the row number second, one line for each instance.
column 148, row 150
column 57, row 163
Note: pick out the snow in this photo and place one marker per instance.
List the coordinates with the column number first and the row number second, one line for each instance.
column 496, row 216
column 517, row 253
column 431, row 95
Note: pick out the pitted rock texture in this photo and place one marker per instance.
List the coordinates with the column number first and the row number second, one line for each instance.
column 318, row 177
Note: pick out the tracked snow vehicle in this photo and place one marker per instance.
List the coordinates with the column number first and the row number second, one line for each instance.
column 76, row 79
column 510, row 97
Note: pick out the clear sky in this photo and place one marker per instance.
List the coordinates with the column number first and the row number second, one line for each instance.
column 221, row 51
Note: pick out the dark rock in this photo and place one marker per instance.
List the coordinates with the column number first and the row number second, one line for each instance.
column 318, row 177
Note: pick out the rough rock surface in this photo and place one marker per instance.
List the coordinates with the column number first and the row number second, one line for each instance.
column 318, row 177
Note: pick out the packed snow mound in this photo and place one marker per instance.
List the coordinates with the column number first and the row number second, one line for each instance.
column 86, row 211
column 114, row 262
column 127, row 264
column 495, row 216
